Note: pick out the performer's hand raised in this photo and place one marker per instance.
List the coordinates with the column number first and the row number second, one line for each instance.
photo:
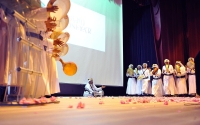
column 55, row 50
column 103, row 87
column 58, row 42
column 50, row 25
column 52, row 9
column 55, row 55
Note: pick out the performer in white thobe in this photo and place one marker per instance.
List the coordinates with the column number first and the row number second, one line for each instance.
column 168, row 79
column 48, row 83
column 11, row 48
column 131, row 84
column 145, row 79
column 92, row 90
column 180, row 73
column 191, row 76
column 157, row 87
column 4, row 50
column 139, row 74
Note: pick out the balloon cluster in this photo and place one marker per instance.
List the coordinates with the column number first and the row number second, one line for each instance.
column 60, row 21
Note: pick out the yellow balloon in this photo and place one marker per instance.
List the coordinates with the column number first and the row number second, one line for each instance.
column 69, row 68
column 55, row 35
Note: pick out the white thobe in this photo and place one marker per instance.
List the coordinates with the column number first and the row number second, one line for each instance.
column 48, row 83
column 4, row 50
column 92, row 90
column 157, row 87
column 191, row 80
column 131, row 84
column 139, row 83
column 181, row 82
column 145, row 81
column 168, row 80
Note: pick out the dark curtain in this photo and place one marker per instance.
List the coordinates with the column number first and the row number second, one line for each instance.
column 138, row 36
column 155, row 14
column 172, row 29
column 176, row 29
column 193, row 22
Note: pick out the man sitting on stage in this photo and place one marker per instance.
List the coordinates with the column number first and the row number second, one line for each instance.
column 92, row 90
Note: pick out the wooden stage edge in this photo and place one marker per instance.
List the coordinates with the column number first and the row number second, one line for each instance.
column 106, row 111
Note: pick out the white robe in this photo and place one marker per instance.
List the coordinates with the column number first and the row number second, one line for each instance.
column 37, row 86
column 139, row 83
column 145, row 81
column 191, row 81
column 181, row 82
column 92, row 90
column 4, row 51
column 157, row 87
column 131, row 85
column 168, row 80
column 34, row 60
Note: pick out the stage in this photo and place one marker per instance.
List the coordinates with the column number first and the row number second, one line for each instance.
column 105, row 111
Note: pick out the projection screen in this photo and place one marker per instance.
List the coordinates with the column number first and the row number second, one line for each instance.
column 96, row 42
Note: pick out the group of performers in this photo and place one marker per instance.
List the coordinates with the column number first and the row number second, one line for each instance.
column 146, row 81
column 13, row 54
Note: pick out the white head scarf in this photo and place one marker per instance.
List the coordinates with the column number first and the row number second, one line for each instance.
column 145, row 64
column 191, row 58
column 166, row 60
column 130, row 66
column 154, row 65
column 139, row 66
column 179, row 62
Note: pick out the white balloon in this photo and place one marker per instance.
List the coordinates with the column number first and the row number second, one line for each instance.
column 67, row 5
column 62, row 24
column 64, row 37
column 60, row 13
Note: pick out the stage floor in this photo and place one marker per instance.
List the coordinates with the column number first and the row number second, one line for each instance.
column 112, row 112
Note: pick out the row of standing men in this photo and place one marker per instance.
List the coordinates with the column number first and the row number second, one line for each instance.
column 173, row 82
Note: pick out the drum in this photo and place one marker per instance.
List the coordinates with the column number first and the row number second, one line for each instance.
column 190, row 65
column 130, row 71
column 155, row 70
column 177, row 68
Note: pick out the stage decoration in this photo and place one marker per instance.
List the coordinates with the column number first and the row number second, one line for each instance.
column 165, row 102
column 101, row 102
column 80, row 105
column 62, row 24
column 64, row 37
column 67, row 6
column 69, row 68
column 70, row 106
column 63, row 49
column 55, row 35
column 63, row 8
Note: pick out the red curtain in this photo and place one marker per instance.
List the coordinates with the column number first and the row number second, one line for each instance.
column 193, row 22
column 176, row 29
